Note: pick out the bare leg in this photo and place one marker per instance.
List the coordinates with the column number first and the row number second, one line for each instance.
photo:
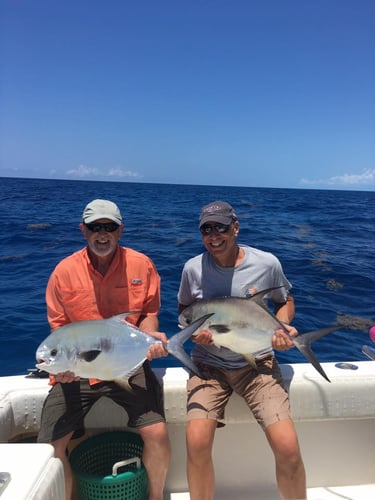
column 200, row 435
column 60, row 446
column 290, row 471
column 156, row 457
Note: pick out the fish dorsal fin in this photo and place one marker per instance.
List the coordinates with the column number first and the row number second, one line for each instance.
column 89, row 356
column 122, row 316
column 259, row 296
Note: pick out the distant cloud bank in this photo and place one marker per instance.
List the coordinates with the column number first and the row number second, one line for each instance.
column 84, row 171
column 366, row 178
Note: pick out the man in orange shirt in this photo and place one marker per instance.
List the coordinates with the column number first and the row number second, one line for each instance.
column 99, row 281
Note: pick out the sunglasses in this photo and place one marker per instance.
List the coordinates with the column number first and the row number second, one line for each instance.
column 218, row 228
column 109, row 227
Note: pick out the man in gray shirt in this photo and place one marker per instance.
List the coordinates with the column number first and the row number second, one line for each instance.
column 230, row 269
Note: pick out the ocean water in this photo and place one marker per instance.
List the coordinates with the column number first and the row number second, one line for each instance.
column 324, row 239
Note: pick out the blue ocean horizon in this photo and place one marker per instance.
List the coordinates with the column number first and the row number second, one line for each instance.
column 324, row 240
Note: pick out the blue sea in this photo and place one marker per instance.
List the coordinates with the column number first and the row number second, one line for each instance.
column 324, row 239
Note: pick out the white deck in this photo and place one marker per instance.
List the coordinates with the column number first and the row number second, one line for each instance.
column 335, row 424
column 35, row 472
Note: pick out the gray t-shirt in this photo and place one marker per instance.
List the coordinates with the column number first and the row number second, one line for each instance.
column 202, row 278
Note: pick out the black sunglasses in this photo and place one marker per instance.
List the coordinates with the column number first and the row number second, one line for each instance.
column 218, row 228
column 109, row 227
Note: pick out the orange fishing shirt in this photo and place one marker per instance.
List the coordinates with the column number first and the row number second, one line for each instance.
column 77, row 292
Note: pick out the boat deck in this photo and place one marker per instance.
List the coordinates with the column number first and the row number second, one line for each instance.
column 361, row 492
column 335, row 424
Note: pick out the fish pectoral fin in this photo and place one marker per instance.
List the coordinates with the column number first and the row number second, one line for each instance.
column 251, row 360
column 219, row 328
column 89, row 356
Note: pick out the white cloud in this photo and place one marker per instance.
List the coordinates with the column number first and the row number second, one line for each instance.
column 94, row 173
column 366, row 178
column 119, row 172
column 83, row 171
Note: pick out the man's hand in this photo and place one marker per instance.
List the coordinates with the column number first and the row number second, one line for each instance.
column 203, row 337
column 66, row 377
column 157, row 350
column 281, row 341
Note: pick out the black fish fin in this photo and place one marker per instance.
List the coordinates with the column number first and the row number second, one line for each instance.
column 176, row 342
column 303, row 344
column 89, row 355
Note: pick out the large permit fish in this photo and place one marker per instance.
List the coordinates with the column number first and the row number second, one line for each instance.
column 108, row 349
column 245, row 326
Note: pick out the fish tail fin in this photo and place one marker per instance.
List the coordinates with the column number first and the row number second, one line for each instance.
column 175, row 344
column 303, row 343
column 369, row 351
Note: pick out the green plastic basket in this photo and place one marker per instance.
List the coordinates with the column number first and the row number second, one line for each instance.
column 108, row 467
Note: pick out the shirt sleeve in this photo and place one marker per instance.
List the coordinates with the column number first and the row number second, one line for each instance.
column 279, row 296
column 190, row 284
column 152, row 298
column 55, row 310
column 184, row 295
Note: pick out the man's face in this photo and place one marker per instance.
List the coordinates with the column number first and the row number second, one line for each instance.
column 102, row 236
column 219, row 239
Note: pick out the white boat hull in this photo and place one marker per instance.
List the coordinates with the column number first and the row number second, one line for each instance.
column 335, row 423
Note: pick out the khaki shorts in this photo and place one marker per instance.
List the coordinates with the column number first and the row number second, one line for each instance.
column 67, row 404
column 262, row 390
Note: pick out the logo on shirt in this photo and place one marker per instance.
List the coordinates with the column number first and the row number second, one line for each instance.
column 249, row 291
column 136, row 281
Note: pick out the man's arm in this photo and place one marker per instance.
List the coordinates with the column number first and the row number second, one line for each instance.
column 281, row 341
column 150, row 325
column 285, row 312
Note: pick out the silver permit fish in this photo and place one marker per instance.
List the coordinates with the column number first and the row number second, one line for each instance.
column 245, row 326
column 108, row 349
column 369, row 351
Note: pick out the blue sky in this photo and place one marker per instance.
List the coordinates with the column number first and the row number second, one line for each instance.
column 272, row 93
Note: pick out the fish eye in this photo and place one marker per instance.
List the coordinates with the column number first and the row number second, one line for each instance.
column 53, row 352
